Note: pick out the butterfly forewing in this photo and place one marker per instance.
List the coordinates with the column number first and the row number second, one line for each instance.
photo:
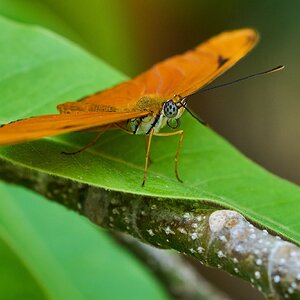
column 179, row 75
column 184, row 74
column 122, row 97
column 49, row 125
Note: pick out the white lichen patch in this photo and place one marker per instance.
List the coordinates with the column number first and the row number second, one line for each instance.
column 235, row 260
column 220, row 254
column 219, row 218
column 200, row 249
column 187, row 216
column 150, row 231
column 168, row 230
column 194, row 236
column 257, row 274
column 223, row 238
column 276, row 278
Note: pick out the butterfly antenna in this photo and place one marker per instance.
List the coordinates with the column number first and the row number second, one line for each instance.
column 226, row 84
column 279, row 68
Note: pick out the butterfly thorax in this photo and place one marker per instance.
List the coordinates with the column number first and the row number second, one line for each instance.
column 162, row 114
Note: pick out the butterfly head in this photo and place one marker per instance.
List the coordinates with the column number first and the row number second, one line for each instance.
column 172, row 110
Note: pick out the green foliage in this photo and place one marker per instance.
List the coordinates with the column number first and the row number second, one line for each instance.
column 40, row 70
column 103, row 33
column 38, row 12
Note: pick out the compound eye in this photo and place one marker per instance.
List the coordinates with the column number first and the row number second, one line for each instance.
column 170, row 109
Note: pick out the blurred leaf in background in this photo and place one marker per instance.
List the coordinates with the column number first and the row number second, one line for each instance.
column 102, row 27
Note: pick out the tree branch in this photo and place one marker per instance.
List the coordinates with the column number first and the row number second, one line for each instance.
column 217, row 238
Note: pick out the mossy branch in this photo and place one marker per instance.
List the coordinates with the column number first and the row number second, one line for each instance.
column 217, row 238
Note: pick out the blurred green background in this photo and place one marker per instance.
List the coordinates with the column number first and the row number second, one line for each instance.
column 261, row 116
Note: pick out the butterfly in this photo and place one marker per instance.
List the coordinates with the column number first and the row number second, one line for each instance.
column 144, row 104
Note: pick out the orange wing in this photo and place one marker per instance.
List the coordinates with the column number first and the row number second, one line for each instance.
column 179, row 75
column 184, row 74
column 37, row 127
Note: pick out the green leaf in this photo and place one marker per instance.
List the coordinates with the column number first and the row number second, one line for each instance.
column 59, row 255
column 39, row 70
column 103, row 35
column 37, row 12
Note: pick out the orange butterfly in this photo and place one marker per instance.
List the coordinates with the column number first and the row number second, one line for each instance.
column 144, row 104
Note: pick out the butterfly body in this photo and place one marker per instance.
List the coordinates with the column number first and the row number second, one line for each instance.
column 145, row 104
column 170, row 111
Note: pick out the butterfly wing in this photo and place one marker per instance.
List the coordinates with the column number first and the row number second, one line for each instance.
column 122, row 97
column 185, row 74
column 179, row 75
column 48, row 125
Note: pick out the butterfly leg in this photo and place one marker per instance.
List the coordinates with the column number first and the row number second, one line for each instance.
column 179, row 132
column 148, row 139
column 90, row 144
column 147, row 155
column 146, row 145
